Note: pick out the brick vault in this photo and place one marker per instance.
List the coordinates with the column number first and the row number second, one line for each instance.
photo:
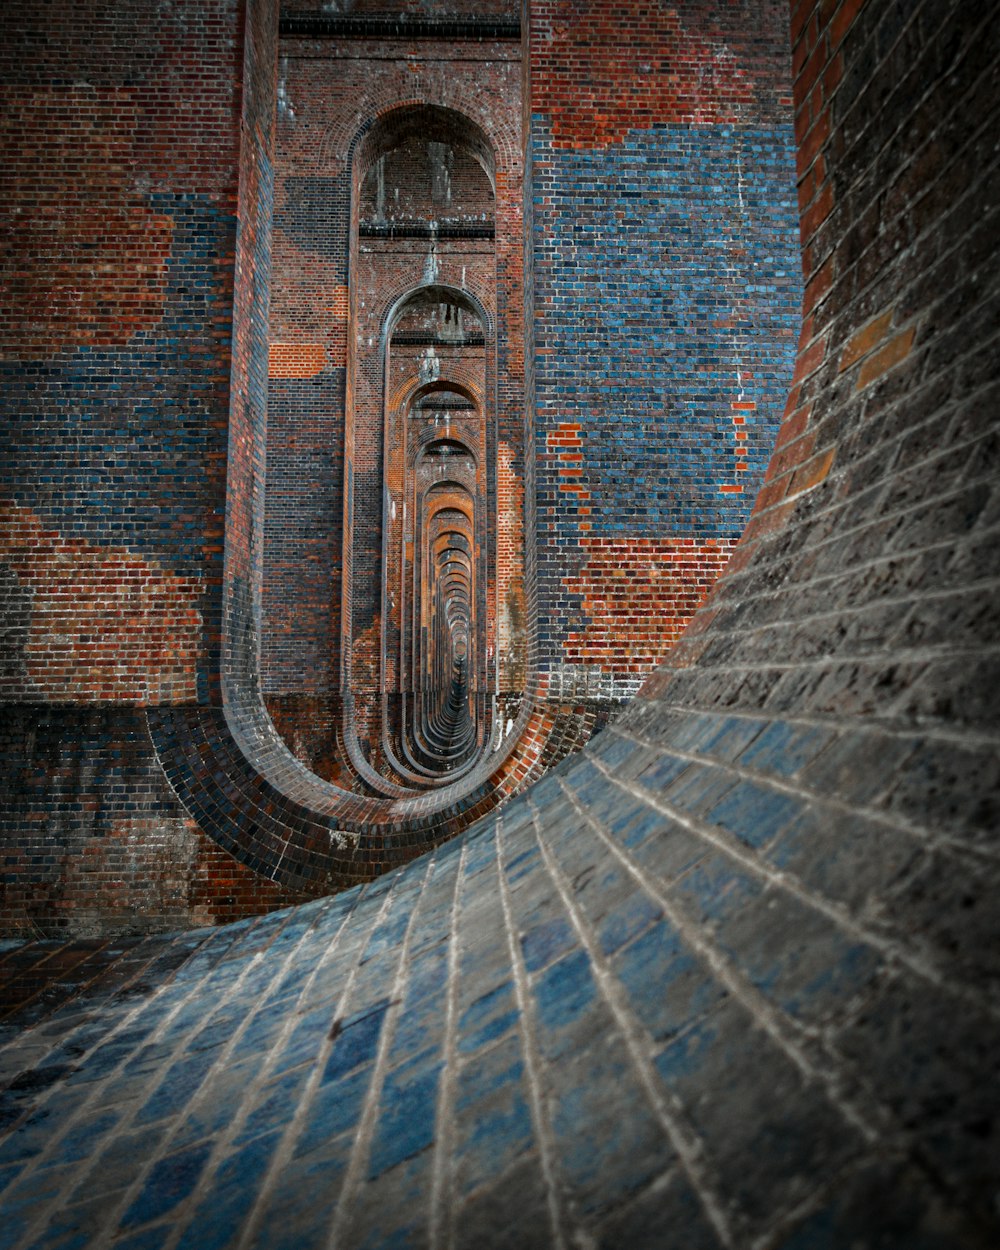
column 499, row 743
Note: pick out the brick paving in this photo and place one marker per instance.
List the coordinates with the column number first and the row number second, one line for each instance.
column 654, row 994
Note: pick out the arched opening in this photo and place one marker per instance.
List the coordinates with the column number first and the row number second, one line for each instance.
column 422, row 405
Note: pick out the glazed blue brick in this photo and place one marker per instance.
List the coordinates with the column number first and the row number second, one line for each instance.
column 563, row 994
column 180, row 1084
column 856, row 970
column 684, row 1057
column 213, row 1114
column 487, row 1019
column 394, row 1211
column 261, row 1032
column 606, row 802
column 495, row 1134
column 388, row 935
column 104, row 1060
column 335, row 1108
column 8, row 1174
column 636, row 912
column 783, row 749
column 482, row 854
column 235, row 1186
column 406, row 1123
column 798, row 957
column 686, row 990
column 663, row 772
column 151, row 1058
column 170, row 1181
column 275, row 1105
column 638, row 826
column 84, row 1139
column 419, row 1025
column 428, row 973
column 287, row 986
column 520, row 865
column 545, row 942
column 545, row 793
column 647, row 327
column 698, row 787
column 23, row 1200
column 688, row 732
column 714, row 887
column 607, row 1149
column 121, row 1162
column 493, row 1124
column 221, row 1027
column 356, row 1043
column 306, row 1224
column 727, row 737
column 753, row 814
column 614, row 751
column 147, row 1239
column 86, row 487
column 29, row 1138
column 307, row 1037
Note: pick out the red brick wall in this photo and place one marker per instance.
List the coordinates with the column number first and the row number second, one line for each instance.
column 328, row 312
column 115, row 351
column 666, row 297
column 135, row 406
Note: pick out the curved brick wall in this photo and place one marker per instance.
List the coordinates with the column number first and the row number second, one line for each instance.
column 728, row 977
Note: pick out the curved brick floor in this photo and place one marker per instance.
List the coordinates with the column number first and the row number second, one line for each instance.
column 653, row 1003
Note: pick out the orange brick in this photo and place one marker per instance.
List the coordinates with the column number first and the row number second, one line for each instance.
column 865, row 339
column 818, row 285
column 818, row 211
column 894, row 352
column 296, row 360
column 792, row 427
column 813, row 472
column 842, row 23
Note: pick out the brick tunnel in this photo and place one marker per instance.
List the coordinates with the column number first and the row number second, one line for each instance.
column 498, row 744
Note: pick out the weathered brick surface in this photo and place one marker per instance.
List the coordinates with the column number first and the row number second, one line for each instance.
column 146, row 336
column 94, row 841
column 675, row 996
column 361, row 213
column 120, row 149
column 665, row 292
column 726, row 978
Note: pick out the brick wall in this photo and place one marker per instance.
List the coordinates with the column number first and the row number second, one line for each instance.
column 865, row 493
column 728, row 977
column 132, row 582
column 119, row 136
column 666, row 297
column 342, row 102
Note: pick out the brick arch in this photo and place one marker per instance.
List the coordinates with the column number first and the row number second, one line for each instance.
column 377, row 106
column 742, row 947
column 477, row 296
column 436, row 122
column 459, row 379
column 431, row 440
column 376, row 135
column 289, row 824
column 539, row 736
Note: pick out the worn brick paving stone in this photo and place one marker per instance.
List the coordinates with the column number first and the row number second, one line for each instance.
column 391, row 1066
